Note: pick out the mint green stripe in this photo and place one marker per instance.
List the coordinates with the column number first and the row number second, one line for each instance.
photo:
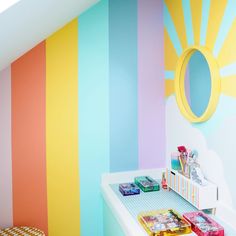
column 93, row 114
column 188, row 21
column 204, row 23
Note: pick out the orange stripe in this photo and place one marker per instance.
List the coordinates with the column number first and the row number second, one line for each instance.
column 28, row 139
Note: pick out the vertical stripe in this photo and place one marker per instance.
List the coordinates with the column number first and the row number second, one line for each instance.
column 188, row 21
column 227, row 21
column 204, row 22
column 93, row 114
column 170, row 27
column 5, row 149
column 62, row 131
column 123, row 85
column 28, row 139
column 151, row 84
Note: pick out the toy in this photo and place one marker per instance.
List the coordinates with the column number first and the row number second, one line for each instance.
column 127, row 189
column 164, row 223
column 194, row 169
column 183, row 158
column 203, row 225
column 185, row 161
column 163, row 181
column 147, row 184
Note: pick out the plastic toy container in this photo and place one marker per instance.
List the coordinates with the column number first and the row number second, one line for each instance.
column 164, row 223
column 128, row 189
column 147, row 184
column 203, row 225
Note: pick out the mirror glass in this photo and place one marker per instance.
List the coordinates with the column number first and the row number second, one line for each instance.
column 198, row 83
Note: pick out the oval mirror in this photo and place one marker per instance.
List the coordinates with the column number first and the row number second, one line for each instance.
column 197, row 84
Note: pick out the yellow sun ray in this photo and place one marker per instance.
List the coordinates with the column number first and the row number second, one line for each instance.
column 171, row 56
column 196, row 9
column 177, row 14
column 227, row 54
column 169, row 87
column 228, row 85
column 217, row 10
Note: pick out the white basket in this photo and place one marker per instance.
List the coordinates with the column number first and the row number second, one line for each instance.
column 202, row 197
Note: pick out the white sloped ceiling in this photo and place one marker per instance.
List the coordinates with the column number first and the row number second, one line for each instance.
column 28, row 22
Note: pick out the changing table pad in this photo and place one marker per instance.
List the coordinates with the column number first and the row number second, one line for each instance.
column 162, row 199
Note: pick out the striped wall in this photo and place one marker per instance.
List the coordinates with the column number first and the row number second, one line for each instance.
column 87, row 100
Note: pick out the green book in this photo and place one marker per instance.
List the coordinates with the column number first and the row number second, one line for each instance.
column 147, row 184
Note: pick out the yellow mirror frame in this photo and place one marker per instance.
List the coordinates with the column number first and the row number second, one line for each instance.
column 180, row 86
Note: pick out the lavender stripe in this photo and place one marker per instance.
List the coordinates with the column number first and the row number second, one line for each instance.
column 6, row 218
column 151, row 108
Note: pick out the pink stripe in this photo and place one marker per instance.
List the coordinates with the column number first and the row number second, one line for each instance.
column 151, row 99
column 5, row 149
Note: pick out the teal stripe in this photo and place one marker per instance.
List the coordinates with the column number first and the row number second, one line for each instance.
column 93, row 114
column 169, row 74
column 188, row 21
column 229, row 17
column 228, row 70
column 170, row 27
column 123, row 85
column 204, row 23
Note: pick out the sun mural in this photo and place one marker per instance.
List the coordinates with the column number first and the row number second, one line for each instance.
column 207, row 23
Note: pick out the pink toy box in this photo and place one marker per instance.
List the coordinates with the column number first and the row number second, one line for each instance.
column 203, row 225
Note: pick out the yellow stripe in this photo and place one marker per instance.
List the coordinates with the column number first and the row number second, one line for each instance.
column 196, row 10
column 177, row 14
column 62, row 131
column 169, row 87
column 227, row 54
column 170, row 53
column 217, row 9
